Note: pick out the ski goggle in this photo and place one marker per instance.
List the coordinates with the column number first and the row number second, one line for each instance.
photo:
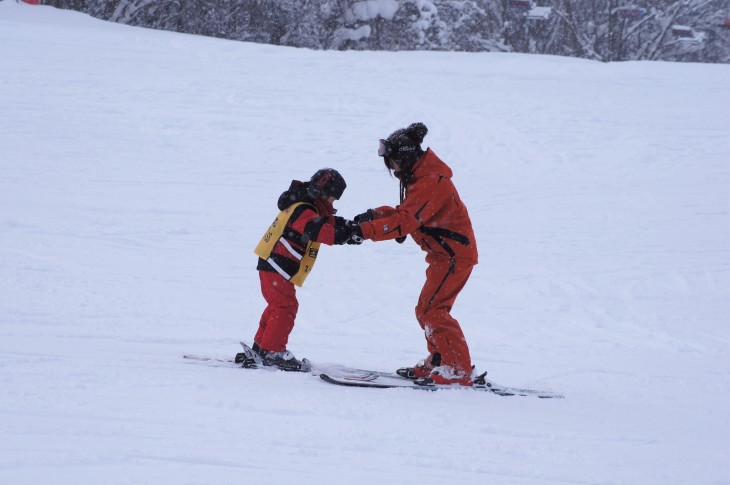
column 384, row 148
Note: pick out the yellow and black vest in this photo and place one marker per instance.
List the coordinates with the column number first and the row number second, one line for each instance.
column 275, row 234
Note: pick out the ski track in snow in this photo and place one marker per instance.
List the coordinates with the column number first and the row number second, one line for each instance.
column 139, row 168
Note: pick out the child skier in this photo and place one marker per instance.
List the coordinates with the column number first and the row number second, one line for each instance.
column 287, row 253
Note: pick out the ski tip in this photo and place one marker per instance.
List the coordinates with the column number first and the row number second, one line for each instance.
column 194, row 357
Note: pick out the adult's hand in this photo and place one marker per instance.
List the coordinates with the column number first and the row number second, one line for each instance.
column 366, row 216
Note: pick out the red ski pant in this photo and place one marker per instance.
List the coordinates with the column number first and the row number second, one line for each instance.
column 444, row 281
column 277, row 321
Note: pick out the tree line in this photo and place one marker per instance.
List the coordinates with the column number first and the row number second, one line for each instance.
column 602, row 30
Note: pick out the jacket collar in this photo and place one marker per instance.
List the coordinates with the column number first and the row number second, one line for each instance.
column 430, row 164
column 323, row 207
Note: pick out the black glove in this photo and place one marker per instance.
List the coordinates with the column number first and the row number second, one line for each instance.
column 342, row 231
column 347, row 232
column 355, row 234
column 366, row 216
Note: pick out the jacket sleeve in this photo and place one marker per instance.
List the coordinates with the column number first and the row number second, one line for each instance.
column 315, row 228
column 384, row 211
column 424, row 199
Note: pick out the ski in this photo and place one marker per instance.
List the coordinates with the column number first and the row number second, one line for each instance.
column 337, row 370
column 342, row 375
column 210, row 361
column 248, row 359
column 384, row 380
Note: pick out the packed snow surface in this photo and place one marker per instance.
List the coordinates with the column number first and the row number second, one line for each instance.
column 139, row 168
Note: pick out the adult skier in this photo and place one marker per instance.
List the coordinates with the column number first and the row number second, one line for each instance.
column 287, row 254
column 432, row 213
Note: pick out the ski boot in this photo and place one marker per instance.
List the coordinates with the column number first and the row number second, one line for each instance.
column 445, row 376
column 422, row 369
column 284, row 361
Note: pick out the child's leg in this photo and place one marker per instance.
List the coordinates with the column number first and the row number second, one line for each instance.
column 277, row 321
column 265, row 315
column 262, row 326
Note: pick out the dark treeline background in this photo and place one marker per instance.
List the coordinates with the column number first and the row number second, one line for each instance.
column 602, row 30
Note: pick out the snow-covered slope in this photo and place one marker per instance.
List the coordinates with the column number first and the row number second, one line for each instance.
column 139, row 168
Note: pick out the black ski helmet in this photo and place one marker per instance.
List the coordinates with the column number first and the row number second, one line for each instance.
column 403, row 146
column 326, row 182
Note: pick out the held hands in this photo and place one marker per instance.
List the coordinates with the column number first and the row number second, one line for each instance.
column 368, row 216
column 347, row 232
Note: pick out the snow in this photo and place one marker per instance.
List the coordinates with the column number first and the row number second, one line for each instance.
column 370, row 9
column 139, row 169
column 539, row 13
column 362, row 32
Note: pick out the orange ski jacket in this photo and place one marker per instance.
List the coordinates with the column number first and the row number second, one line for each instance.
column 431, row 212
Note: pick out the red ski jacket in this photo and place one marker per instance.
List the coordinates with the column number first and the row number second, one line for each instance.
column 431, row 212
column 305, row 224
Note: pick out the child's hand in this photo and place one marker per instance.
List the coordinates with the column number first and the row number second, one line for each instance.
column 347, row 232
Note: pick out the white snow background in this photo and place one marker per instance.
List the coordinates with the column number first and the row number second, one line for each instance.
column 139, row 168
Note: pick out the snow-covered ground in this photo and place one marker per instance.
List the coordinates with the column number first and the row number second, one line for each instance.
column 139, row 168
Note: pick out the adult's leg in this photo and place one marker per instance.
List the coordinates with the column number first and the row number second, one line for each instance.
column 444, row 281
